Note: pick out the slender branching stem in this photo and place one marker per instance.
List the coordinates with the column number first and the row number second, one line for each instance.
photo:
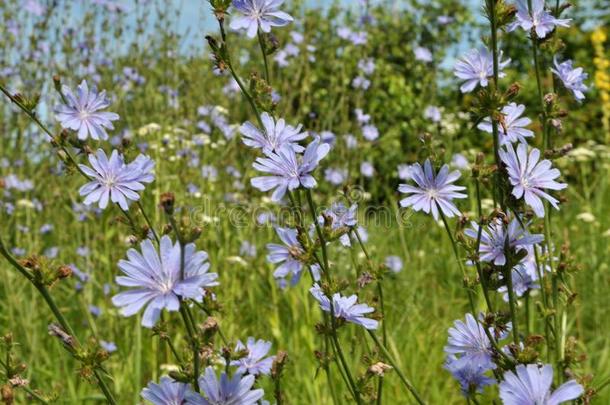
column 546, row 143
column 34, row 118
column 381, row 308
column 148, row 222
column 401, row 375
column 493, row 19
column 44, row 292
column 236, row 76
column 261, row 42
column 477, row 262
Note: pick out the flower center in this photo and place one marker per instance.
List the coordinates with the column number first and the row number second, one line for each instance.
column 166, row 286
column 109, row 181
column 432, row 193
column 83, row 115
column 295, row 251
column 525, row 182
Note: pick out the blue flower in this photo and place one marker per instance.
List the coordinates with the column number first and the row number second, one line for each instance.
column 361, row 117
column 361, row 82
column 495, row 238
column 529, row 176
column 156, row 279
column 114, row 180
column 405, row 171
column 342, row 216
column 367, row 66
column 432, row 190
column 254, row 362
column 522, row 282
column 469, row 340
column 335, row 176
column 288, row 170
column 525, row 274
column 110, row 347
column 35, row 8
column 288, row 254
column 81, row 113
column 262, row 14
column 476, row 67
column 512, row 127
column 422, row 54
column 370, row 132
column 433, row 113
column 459, row 162
column 470, row 375
column 531, row 385
column 345, row 308
column 394, row 263
column 367, row 169
column 167, row 392
column 571, row 78
column 538, row 19
column 275, row 136
column 247, row 249
column 226, row 391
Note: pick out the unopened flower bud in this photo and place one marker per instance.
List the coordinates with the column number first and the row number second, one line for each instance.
column 167, row 202
column 278, row 364
column 57, row 83
column 180, row 376
column 379, row 369
column 272, row 44
column 6, row 392
column 64, row 272
column 556, row 123
column 19, row 381
column 194, row 233
column 513, row 90
column 7, row 339
column 58, row 332
column 550, row 98
column 210, row 324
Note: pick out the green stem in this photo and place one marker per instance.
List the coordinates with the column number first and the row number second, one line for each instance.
column 452, row 240
column 555, row 292
column 104, row 387
column 482, row 278
column 381, row 307
column 236, row 77
column 33, row 117
column 191, row 334
column 327, row 340
column 184, row 310
column 55, row 309
column 494, row 122
column 147, row 219
column 173, row 350
column 402, row 377
column 547, row 225
column 34, row 394
column 511, row 301
column 314, row 215
column 209, row 313
column 261, row 42
column 348, row 374
column 42, row 289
